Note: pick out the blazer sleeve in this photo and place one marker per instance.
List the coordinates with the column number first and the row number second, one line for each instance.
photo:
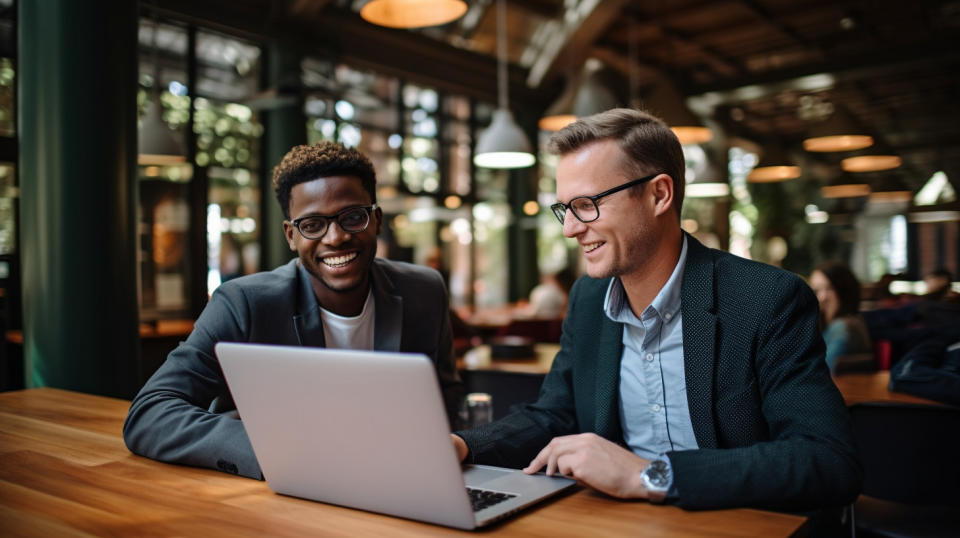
column 169, row 419
column 515, row 440
column 451, row 386
column 808, row 460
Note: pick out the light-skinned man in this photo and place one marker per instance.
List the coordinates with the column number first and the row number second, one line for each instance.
column 686, row 375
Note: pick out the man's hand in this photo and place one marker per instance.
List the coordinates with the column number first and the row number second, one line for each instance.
column 460, row 446
column 594, row 461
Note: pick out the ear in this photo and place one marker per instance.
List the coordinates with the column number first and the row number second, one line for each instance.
column 288, row 230
column 378, row 213
column 662, row 189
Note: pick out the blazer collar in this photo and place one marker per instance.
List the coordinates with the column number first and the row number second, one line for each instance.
column 388, row 316
column 607, row 391
column 388, row 311
column 698, row 304
column 306, row 317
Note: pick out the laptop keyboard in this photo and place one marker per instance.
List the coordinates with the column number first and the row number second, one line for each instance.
column 481, row 498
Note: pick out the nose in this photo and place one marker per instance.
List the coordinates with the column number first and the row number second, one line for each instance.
column 335, row 235
column 572, row 226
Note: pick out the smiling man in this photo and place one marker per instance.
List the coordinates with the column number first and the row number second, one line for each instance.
column 686, row 375
column 335, row 294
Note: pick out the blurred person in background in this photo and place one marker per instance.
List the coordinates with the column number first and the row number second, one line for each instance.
column 548, row 299
column 844, row 330
column 938, row 284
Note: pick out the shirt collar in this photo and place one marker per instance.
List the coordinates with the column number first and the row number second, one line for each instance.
column 666, row 303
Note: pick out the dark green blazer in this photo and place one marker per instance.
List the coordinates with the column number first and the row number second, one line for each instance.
column 772, row 428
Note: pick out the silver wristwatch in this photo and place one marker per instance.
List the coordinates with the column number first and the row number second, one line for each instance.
column 657, row 479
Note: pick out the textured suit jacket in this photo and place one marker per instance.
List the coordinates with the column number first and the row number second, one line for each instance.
column 772, row 427
column 177, row 416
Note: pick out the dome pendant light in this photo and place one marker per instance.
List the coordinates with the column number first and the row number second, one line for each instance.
column 412, row 13
column 503, row 144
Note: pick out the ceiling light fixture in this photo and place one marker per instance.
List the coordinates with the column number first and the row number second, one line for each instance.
column 845, row 190
column 837, row 133
column 584, row 95
column 870, row 163
column 412, row 13
column 503, row 144
column 774, row 166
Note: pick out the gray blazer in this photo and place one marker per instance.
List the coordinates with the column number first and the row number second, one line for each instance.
column 772, row 428
column 177, row 416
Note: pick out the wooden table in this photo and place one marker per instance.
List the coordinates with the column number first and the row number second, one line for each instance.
column 479, row 358
column 64, row 471
column 873, row 387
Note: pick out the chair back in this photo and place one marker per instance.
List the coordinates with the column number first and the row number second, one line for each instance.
column 539, row 329
column 910, row 453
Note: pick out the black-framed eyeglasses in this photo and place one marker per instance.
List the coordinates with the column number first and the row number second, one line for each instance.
column 585, row 207
column 351, row 220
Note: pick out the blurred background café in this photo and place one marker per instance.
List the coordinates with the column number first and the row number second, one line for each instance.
column 132, row 184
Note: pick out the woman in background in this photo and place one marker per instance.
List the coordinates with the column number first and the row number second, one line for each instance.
column 844, row 329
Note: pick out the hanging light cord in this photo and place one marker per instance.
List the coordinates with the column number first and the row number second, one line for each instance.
column 632, row 54
column 502, row 54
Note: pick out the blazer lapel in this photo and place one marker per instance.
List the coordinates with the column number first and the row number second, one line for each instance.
column 306, row 321
column 699, row 340
column 609, row 352
column 388, row 314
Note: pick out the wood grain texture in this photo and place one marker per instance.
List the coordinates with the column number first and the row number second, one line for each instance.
column 873, row 387
column 64, row 471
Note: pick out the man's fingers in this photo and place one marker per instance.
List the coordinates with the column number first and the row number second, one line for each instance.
column 538, row 462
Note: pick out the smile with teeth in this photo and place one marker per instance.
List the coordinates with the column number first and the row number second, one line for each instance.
column 339, row 261
column 592, row 246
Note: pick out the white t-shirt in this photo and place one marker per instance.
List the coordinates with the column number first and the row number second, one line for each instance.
column 341, row 332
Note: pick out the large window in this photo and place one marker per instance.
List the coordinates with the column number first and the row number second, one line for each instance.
column 199, row 164
column 420, row 143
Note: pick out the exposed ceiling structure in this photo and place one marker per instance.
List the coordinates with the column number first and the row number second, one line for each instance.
column 760, row 69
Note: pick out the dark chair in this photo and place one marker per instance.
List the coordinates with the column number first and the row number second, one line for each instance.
column 911, row 460
column 539, row 329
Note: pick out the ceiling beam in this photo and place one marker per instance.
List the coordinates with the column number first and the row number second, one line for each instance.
column 891, row 60
column 569, row 47
column 341, row 35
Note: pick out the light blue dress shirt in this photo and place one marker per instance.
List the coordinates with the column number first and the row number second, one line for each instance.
column 654, row 414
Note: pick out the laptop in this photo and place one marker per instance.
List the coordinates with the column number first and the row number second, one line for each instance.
column 366, row 430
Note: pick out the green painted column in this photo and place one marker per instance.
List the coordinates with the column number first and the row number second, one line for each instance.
column 77, row 129
column 286, row 127
column 522, row 238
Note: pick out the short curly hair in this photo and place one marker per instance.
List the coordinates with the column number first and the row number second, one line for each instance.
column 323, row 159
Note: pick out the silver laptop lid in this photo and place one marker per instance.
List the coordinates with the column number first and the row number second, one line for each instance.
column 387, row 452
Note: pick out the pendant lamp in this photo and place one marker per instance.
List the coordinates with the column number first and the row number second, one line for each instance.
column 890, row 188
column 503, row 144
column 412, row 13
column 846, row 186
column 774, row 165
column 839, row 132
column 870, row 163
column 665, row 102
column 585, row 95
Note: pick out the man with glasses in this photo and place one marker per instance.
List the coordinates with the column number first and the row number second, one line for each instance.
column 686, row 375
column 335, row 294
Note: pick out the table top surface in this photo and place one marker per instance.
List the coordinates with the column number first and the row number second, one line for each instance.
column 855, row 387
column 873, row 387
column 64, row 471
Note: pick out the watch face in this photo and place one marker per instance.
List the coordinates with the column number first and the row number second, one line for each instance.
column 657, row 474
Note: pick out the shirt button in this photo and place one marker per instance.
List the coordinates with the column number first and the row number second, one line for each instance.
column 656, row 408
column 668, row 316
column 649, row 356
